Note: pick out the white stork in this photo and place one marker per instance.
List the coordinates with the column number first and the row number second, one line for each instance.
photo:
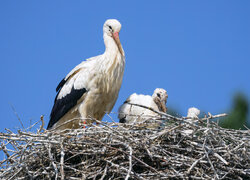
column 130, row 114
column 92, row 87
column 193, row 112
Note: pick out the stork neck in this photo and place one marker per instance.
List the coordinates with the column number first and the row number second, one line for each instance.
column 111, row 46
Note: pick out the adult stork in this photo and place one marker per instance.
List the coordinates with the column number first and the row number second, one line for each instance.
column 132, row 111
column 92, row 87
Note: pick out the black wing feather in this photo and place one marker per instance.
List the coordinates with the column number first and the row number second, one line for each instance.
column 122, row 120
column 63, row 105
column 60, row 85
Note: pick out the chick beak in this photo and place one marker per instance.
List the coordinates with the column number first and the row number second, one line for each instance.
column 163, row 106
column 118, row 43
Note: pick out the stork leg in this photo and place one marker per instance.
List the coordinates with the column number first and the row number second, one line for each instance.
column 82, row 122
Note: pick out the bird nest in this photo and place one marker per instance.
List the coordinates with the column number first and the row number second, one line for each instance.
column 178, row 149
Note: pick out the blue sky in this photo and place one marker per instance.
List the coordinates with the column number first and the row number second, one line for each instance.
column 197, row 50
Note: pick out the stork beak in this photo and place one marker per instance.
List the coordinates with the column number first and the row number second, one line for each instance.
column 164, row 102
column 118, row 43
column 163, row 105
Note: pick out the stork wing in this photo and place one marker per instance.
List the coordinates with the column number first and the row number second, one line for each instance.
column 75, row 71
column 68, row 94
column 71, row 74
column 62, row 106
column 127, row 112
column 125, row 109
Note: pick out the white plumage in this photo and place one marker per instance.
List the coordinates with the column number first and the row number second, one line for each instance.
column 92, row 87
column 193, row 112
column 129, row 113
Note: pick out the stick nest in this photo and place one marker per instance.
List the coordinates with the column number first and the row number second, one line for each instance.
column 179, row 149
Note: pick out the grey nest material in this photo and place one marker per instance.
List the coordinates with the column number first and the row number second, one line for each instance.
column 179, row 149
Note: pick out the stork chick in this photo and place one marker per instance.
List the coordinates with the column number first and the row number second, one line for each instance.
column 130, row 114
column 92, row 87
column 193, row 112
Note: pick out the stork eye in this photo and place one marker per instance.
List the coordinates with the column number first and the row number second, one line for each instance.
column 110, row 27
column 158, row 94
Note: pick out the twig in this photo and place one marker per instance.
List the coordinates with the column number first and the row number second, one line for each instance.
column 62, row 162
column 220, row 158
column 19, row 119
column 158, row 112
column 104, row 172
column 42, row 125
column 211, row 164
column 52, row 162
column 194, row 164
column 130, row 163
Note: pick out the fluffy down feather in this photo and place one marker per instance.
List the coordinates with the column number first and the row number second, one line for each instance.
column 131, row 113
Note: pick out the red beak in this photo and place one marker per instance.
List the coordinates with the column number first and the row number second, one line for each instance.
column 118, row 43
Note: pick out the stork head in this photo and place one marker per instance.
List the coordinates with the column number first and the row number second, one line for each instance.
column 112, row 28
column 160, row 98
column 193, row 112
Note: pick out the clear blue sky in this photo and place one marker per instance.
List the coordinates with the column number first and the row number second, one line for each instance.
column 197, row 50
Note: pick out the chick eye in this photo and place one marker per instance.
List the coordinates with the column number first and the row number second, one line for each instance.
column 158, row 94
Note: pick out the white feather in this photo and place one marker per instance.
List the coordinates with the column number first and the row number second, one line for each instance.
column 132, row 113
column 193, row 112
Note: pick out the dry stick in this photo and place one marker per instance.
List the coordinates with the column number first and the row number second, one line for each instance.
column 25, row 139
column 62, row 161
column 246, row 127
column 165, row 132
column 211, row 164
column 10, row 159
column 237, row 147
column 194, row 164
column 104, row 173
column 215, row 116
column 66, row 122
column 221, row 158
column 204, row 146
column 9, row 131
column 176, row 118
column 42, row 125
column 3, row 147
column 12, row 177
column 6, row 172
column 29, row 128
column 130, row 163
column 158, row 112
column 125, row 153
column 149, row 153
column 120, row 167
column 52, row 161
column 216, row 154
column 110, row 117
column 23, row 150
column 17, row 115
column 111, row 128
